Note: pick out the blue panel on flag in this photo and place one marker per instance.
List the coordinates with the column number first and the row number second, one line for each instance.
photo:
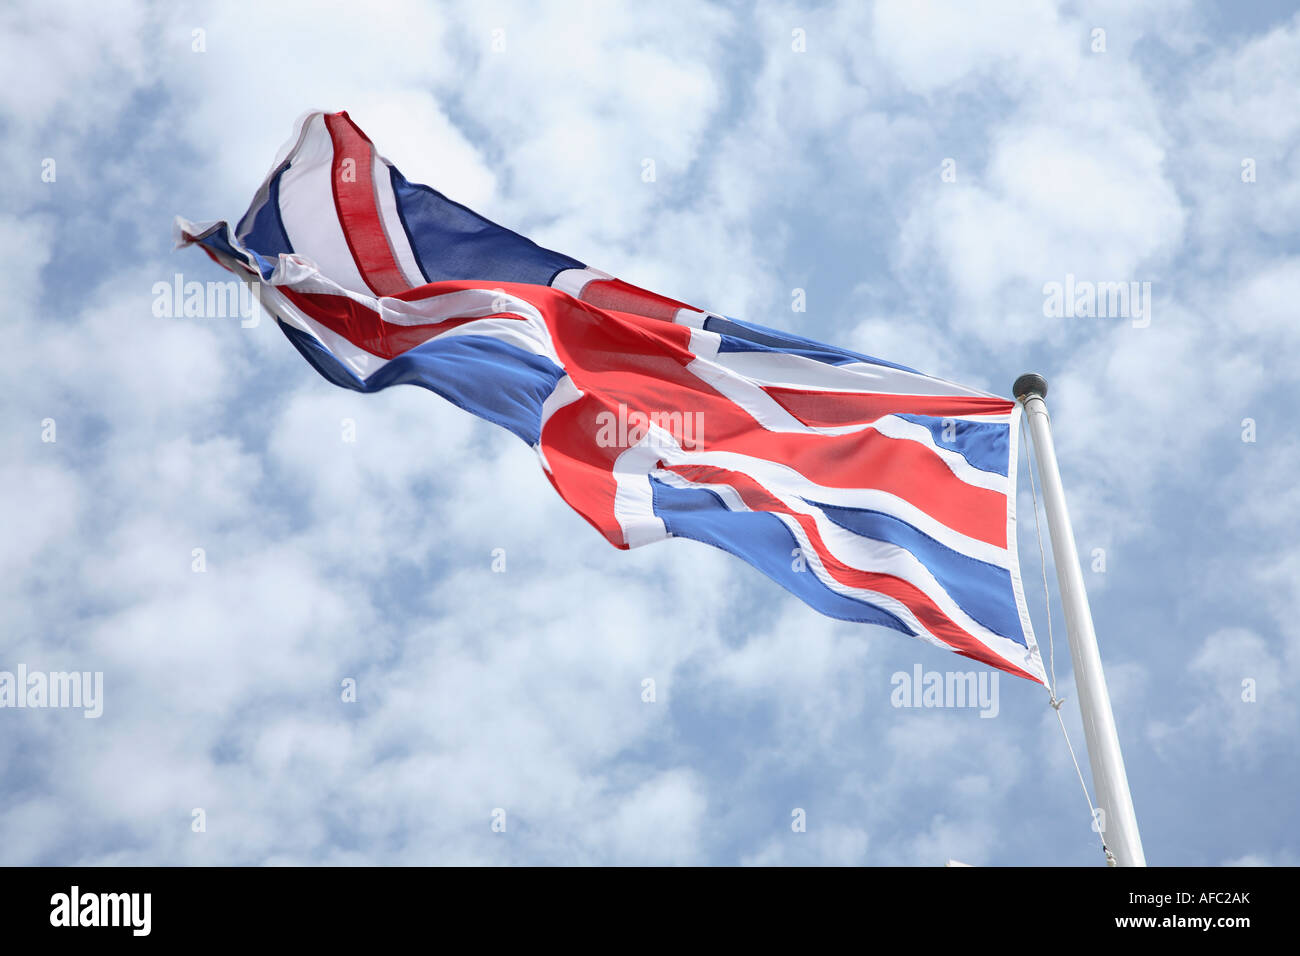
column 983, row 444
column 741, row 336
column 979, row 588
column 764, row 541
column 266, row 231
column 485, row 376
column 451, row 242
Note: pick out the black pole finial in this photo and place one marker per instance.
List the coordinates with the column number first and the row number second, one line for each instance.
column 1031, row 383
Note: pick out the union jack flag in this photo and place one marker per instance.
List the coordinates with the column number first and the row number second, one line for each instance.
column 871, row 491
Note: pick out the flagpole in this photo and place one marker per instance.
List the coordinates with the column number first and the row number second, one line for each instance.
column 1118, row 822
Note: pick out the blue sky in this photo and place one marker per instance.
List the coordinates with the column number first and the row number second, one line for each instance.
column 776, row 169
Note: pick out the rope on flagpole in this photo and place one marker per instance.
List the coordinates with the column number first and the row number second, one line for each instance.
column 1055, row 701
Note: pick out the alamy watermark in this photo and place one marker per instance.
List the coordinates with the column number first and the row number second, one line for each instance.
column 1105, row 300
column 37, row 689
column 624, row 429
column 129, row 910
column 207, row 300
column 921, row 688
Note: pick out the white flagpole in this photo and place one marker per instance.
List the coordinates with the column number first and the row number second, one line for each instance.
column 1118, row 822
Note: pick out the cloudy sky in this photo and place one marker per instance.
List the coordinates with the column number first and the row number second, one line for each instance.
column 921, row 170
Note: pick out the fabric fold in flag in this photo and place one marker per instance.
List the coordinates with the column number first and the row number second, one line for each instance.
column 872, row 492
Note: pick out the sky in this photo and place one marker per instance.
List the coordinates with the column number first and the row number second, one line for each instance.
column 338, row 628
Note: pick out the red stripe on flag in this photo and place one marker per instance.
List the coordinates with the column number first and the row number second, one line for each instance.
column 353, row 183
column 834, row 409
column 618, row 296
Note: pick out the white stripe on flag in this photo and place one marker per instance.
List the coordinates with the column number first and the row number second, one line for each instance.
column 798, row 371
column 634, row 498
column 573, row 281
column 386, row 202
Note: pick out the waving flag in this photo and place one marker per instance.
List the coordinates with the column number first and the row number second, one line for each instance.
column 872, row 492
